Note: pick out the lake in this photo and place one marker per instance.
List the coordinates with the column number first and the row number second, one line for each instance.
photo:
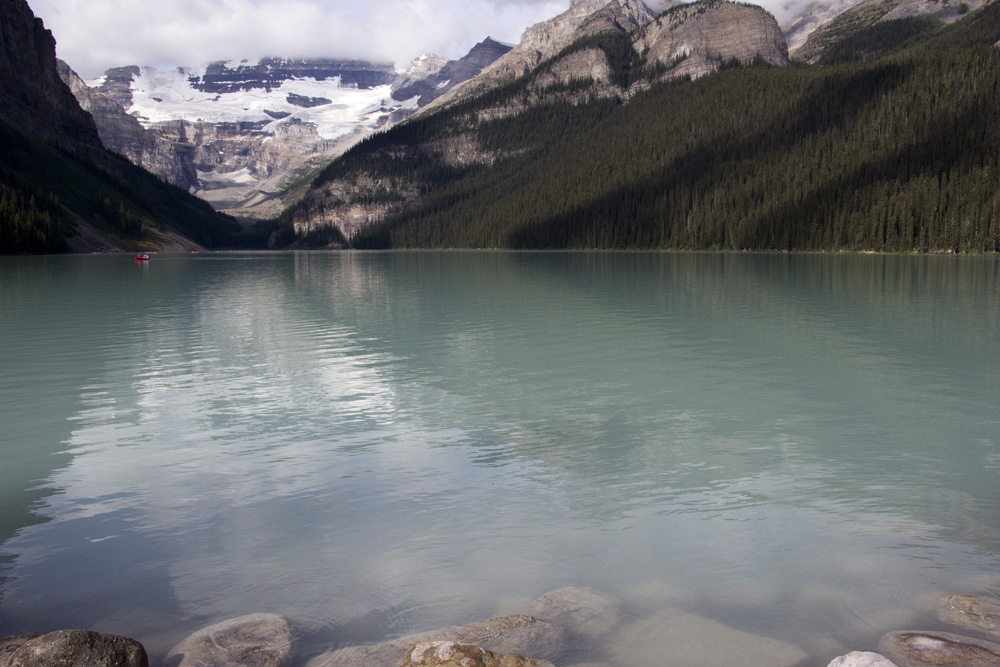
column 799, row 447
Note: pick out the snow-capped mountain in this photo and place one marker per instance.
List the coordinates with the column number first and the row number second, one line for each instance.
column 242, row 135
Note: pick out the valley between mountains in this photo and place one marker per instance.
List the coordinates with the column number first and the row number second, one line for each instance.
column 708, row 125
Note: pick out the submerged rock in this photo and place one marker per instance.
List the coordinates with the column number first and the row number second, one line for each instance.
column 256, row 640
column 862, row 659
column 919, row 649
column 676, row 637
column 450, row 654
column 581, row 611
column 515, row 635
column 972, row 613
column 77, row 648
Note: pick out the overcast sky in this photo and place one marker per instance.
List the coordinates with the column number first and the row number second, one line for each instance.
column 93, row 35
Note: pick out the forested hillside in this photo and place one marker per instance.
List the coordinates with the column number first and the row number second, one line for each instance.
column 892, row 147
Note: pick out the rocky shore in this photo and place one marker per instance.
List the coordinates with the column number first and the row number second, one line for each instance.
column 556, row 621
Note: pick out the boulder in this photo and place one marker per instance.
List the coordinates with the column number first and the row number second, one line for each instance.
column 256, row 640
column 971, row 613
column 515, row 635
column 920, row 649
column 862, row 659
column 450, row 654
column 581, row 611
column 676, row 637
column 10, row 644
column 78, row 648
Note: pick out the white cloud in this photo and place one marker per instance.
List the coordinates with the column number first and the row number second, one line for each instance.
column 93, row 35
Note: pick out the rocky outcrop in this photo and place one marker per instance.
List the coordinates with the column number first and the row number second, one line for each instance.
column 696, row 39
column 451, row 654
column 515, row 635
column 921, row 649
column 546, row 39
column 427, row 84
column 123, row 134
column 256, row 640
column 78, row 648
column 32, row 96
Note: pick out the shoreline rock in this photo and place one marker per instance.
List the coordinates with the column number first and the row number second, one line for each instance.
column 75, row 648
column 915, row 648
column 255, row 640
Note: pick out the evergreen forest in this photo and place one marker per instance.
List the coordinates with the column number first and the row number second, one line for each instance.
column 890, row 143
column 44, row 191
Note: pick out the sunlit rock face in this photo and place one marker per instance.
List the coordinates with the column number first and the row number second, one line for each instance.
column 698, row 38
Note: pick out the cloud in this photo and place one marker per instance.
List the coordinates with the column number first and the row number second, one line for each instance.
column 93, row 35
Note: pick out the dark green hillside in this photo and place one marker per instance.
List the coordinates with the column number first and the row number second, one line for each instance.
column 899, row 153
column 42, row 188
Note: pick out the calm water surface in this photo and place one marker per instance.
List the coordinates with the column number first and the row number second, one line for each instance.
column 805, row 448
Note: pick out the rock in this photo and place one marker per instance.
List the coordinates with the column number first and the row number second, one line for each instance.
column 10, row 644
column 919, row 649
column 696, row 39
column 516, row 635
column 677, row 637
column 581, row 611
column 256, row 640
column 861, row 659
column 972, row 613
column 78, row 648
column 450, row 654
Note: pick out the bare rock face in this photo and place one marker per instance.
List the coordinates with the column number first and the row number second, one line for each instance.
column 696, row 39
column 32, row 96
column 256, row 640
column 450, row 654
column 972, row 613
column 123, row 134
column 515, row 635
column 78, row 648
column 426, row 83
column 920, row 649
column 581, row 65
column 862, row 659
column 546, row 39
column 582, row 611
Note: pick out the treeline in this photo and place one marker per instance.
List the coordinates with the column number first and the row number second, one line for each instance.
column 899, row 153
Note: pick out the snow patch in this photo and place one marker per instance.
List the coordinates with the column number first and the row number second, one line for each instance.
column 159, row 96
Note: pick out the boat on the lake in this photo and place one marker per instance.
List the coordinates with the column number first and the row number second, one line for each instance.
column 142, row 257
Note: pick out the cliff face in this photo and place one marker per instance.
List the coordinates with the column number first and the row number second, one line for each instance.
column 32, row 95
column 123, row 134
column 270, row 73
column 696, row 39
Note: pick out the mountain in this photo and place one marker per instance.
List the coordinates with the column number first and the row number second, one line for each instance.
column 606, row 145
column 59, row 188
column 547, row 38
column 248, row 137
column 429, row 77
column 826, row 24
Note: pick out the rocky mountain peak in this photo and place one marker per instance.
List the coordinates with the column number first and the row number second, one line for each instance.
column 697, row 38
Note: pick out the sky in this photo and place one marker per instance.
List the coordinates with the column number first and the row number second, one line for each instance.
column 92, row 35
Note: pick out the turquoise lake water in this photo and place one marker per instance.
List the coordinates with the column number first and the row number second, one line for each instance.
column 800, row 447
